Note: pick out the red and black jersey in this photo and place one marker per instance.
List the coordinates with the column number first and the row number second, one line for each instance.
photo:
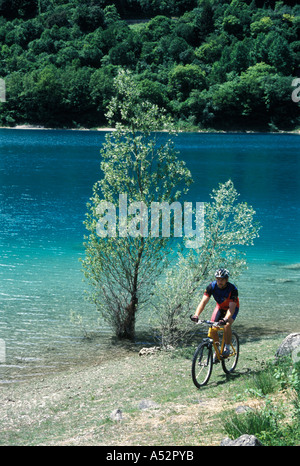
column 223, row 296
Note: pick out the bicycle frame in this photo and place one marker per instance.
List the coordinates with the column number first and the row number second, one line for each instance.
column 217, row 347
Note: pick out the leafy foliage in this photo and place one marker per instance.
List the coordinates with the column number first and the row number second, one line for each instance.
column 123, row 268
column 228, row 226
column 272, row 424
column 218, row 64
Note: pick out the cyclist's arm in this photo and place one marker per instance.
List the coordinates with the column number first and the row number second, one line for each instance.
column 231, row 310
column 202, row 305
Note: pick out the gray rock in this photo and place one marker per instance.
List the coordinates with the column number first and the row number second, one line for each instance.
column 289, row 344
column 149, row 351
column 146, row 404
column 116, row 415
column 243, row 409
column 242, row 441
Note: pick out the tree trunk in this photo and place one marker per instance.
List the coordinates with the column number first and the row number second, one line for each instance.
column 127, row 327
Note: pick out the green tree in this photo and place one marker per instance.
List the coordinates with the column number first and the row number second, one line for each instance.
column 250, row 90
column 280, row 55
column 101, row 87
column 180, row 51
column 78, row 108
column 13, row 110
column 154, row 92
column 211, row 51
column 184, row 79
column 204, row 23
column 239, row 60
column 222, row 102
column 264, row 25
column 282, row 112
column 228, row 227
column 39, row 96
column 122, row 267
column 237, row 18
column 88, row 17
column 126, row 52
column 89, row 52
column 111, row 15
column 158, row 27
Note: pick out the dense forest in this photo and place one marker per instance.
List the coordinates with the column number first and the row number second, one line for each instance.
column 212, row 64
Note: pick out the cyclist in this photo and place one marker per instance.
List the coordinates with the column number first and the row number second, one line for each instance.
column 226, row 310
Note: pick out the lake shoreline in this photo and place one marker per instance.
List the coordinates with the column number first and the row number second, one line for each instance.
column 186, row 130
column 47, row 178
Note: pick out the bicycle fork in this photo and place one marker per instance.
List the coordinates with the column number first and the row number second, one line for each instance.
column 213, row 336
column 209, row 344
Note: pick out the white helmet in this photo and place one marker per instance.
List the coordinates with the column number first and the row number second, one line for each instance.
column 222, row 273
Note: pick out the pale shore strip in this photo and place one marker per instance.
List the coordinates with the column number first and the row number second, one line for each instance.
column 54, row 129
column 107, row 129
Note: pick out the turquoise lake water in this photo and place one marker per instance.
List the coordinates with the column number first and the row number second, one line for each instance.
column 46, row 179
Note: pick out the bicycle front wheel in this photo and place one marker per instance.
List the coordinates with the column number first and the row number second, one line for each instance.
column 202, row 364
column 229, row 363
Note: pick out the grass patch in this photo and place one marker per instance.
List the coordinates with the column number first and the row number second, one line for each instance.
column 264, row 423
column 263, row 382
column 74, row 407
column 274, row 424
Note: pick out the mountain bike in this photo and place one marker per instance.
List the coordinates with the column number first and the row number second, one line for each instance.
column 203, row 359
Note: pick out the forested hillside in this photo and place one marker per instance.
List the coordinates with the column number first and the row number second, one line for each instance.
column 216, row 64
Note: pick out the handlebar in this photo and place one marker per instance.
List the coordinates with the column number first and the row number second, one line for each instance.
column 209, row 323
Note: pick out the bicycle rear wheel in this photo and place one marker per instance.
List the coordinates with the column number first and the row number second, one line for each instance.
column 229, row 363
column 202, row 364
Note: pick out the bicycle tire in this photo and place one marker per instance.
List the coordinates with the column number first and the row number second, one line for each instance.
column 229, row 364
column 202, row 364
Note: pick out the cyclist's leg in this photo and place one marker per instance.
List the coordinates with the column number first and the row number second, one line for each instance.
column 227, row 328
column 228, row 332
column 213, row 332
